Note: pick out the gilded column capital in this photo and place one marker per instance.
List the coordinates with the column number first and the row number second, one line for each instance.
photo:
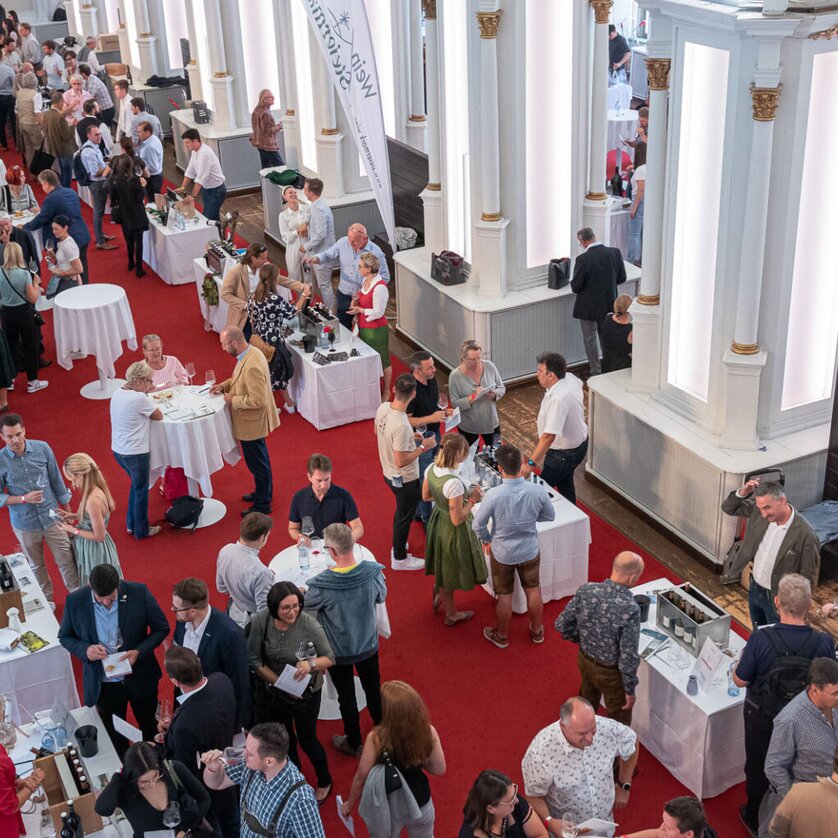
column 602, row 10
column 429, row 8
column 657, row 70
column 488, row 23
column 764, row 102
column 829, row 34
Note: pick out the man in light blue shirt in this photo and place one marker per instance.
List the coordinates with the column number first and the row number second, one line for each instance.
column 321, row 235
column 98, row 171
column 30, row 486
column 348, row 250
column 150, row 151
column 514, row 508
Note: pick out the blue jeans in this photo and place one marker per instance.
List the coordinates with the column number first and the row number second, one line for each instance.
column 423, row 511
column 213, row 199
column 99, row 194
column 269, row 158
column 65, row 164
column 255, row 453
column 137, row 468
column 635, row 242
column 761, row 605
column 559, row 465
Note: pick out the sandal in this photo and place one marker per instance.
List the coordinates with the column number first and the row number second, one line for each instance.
column 437, row 601
column 536, row 636
column 458, row 617
column 321, row 793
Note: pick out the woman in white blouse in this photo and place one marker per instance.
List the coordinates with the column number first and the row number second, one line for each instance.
column 370, row 305
column 293, row 230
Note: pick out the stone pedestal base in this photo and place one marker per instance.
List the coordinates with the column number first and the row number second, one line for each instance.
column 89, row 20
column 289, row 132
column 597, row 216
column 645, row 348
column 330, row 164
column 224, row 108
column 488, row 272
column 196, row 90
column 147, row 47
column 742, row 390
column 124, row 45
column 434, row 228
column 417, row 134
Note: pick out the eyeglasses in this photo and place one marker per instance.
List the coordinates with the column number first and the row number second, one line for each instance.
column 514, row 797
column 147, row 784
column 290, row 607
column 178, row 610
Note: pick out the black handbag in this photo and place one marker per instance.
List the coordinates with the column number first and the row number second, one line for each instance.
column 392, row 778
column 41, row 161
column 558, row 273
column 185, row 511
column 447, row 268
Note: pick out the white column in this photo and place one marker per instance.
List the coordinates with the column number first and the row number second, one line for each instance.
column 70, row 9
column 146, row 41
column 599, row 102
column 222, row 83
column 417, row 121
column 329, row 138
column 89, row 19
column 489, row 249
column 288, row 84
column 432, row 193
column 645, row 369
column 196, row 89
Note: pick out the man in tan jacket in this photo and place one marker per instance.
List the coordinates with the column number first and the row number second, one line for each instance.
column 253, row 412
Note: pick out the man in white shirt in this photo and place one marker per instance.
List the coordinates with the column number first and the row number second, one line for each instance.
column 53, row 66
column 123, row 124
column 321, row 236
column 569, row 766
column 204, row 172
column 30, row 49
column 562, row 432
column 778, row 541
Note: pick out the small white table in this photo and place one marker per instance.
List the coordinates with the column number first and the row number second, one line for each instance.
column 701, row 738
column 563, row 544
column 24, row 217
column 340, row 392
column 285, row 568
column 94, row 320
column 169, row 252
column 215, row 317
column 199, row 445
column 36, row 679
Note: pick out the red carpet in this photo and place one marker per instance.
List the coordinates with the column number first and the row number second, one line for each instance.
column 486, row 703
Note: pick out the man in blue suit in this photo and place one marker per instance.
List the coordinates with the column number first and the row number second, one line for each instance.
column 214, row 638
column 61, row 200
column 107, row 616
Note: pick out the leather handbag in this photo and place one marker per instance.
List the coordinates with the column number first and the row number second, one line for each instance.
column 41, row 161
column 447, row 268
column 558, row 273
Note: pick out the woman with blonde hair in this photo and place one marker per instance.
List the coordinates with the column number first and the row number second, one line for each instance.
column 452, row 552
column 616, row 336
column 265, row 128
column 92, row 543
column 370, row 305
column 475, row 387
column 406, row 738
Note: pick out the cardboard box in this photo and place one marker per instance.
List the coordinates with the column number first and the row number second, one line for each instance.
column 107, row 43
column 83, row 804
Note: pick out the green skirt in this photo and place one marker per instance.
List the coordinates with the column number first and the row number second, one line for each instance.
column 453, row 555
column 379, row 340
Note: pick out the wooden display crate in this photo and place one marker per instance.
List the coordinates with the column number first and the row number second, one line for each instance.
column 57, row 798
column 11, row 599
column 108, row 42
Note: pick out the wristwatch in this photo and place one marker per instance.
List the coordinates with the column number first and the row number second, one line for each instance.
column 625, row 786
column 23, row 498
column 531, row 462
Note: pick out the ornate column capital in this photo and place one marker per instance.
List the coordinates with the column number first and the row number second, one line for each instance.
column 429, row 8
column 488, row 23
column 657, row 70
column 829, row 34
column 764, row 102
column 602, row 10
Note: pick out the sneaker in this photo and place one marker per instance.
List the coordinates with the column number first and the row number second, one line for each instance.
column 491, row 634
column 290, row 408
column 11, row 387
column 105, row 246
column 341, row 743
column 155, row 530
column 410, row 563
column 537, row 636
column 36, row 385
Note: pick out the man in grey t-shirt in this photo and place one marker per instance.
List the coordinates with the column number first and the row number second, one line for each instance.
column 514, row 508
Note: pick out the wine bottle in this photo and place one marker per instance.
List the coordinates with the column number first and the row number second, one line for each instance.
column 66, row 831
column 617, row 183
column 74, row 821
column 84, row 784
column 7, row 581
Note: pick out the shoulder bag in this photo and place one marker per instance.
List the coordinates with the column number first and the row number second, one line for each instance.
column 198, row 826
column 36, row 315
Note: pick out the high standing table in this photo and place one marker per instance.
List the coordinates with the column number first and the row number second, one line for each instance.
column 701, row 738
column 621, row 123
column 36, row 679
column 169, row 252
column 94, row 320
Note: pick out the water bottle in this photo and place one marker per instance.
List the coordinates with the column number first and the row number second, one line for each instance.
column 305, row 557
column 732, row 689
column 692, row 685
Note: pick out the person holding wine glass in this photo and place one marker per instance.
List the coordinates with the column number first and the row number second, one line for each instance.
column 167, row 369
column 475, row 387
column 281, row 637
column 151, row 796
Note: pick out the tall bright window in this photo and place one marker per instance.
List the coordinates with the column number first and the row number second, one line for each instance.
column 200, row 51
column 455, row 20
column 112, row 14
column 131, row 27
column 261, row 58
column 174, row 12
column 549, row 99
column 700, row 140
column 381, row 29
column 813, row 311
column 305, row 84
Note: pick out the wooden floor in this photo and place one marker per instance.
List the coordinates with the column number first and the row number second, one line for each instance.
column 518, row 411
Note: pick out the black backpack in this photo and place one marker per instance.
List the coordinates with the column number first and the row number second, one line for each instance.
column 787, row 675
column 81, row 174
column 185, row 512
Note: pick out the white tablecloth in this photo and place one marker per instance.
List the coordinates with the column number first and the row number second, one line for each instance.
column 286, row 568
column 93, row 319
column 169, row 253
column 338, row 393
column 36, row 679
column 563, row 544
column 619, row 97
column 621, row 124
column 24, row 218
column 215, row 317
column 199, row 446
column 701, row 738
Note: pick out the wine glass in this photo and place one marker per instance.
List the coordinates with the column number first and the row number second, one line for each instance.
column 302, row 654
column 164, row 710
column 332, row 339
column 569, row 828
column 442, row 401
column 232, row 756
column 307, row 529
column 311, row 653
column 209, row 378
column 171, row 814
column 190, row 371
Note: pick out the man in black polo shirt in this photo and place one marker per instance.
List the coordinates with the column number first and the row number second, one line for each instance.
column 791, row 636
column 323, row 502
column 424, row 411
column 619, row 55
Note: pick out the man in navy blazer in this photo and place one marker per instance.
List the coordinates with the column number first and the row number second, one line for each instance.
column 596, row 274
column 106, row 616
column 215, row 639
column 61, row 200
column 203, row 721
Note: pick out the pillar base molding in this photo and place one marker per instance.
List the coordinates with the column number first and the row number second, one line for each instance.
column 224, row 110
column 488, row 270
column 434, row 187
column 329, row 132
column 645, row 348
column 147, row 47
column 434, row 228
column 649, row 299
column 417, row 118
column 195, row 88
column 744, row 348
column 330, row 164
column 416, row 133
column 596, row 196
column 290, row 112
column 597, row 216
column 491, row 216
column 743, row 373
column 89, row 19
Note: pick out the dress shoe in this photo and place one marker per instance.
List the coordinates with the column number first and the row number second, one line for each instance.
column 341, row 743
column 140, row 273
column 249, row 497
column 131, row 266
column 105, row 246
column 42, row 364
column 246, row 512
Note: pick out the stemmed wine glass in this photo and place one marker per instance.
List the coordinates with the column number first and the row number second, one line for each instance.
column 442, row 401
column 164, row 710
column 190, row 371
column 332, row 339
column 307, row 528
column 569, row 827
column 209, row 378
column 171, row 814
column 306, row 652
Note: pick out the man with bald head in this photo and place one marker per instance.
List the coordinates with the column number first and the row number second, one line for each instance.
column 569, row 766
column 253, row 413
column 348, row 250
column 604, row 620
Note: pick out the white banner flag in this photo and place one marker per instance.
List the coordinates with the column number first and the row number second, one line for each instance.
column 343, row 32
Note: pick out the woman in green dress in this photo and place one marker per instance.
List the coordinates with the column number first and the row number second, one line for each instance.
column 452, row 552
column 92, row 544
